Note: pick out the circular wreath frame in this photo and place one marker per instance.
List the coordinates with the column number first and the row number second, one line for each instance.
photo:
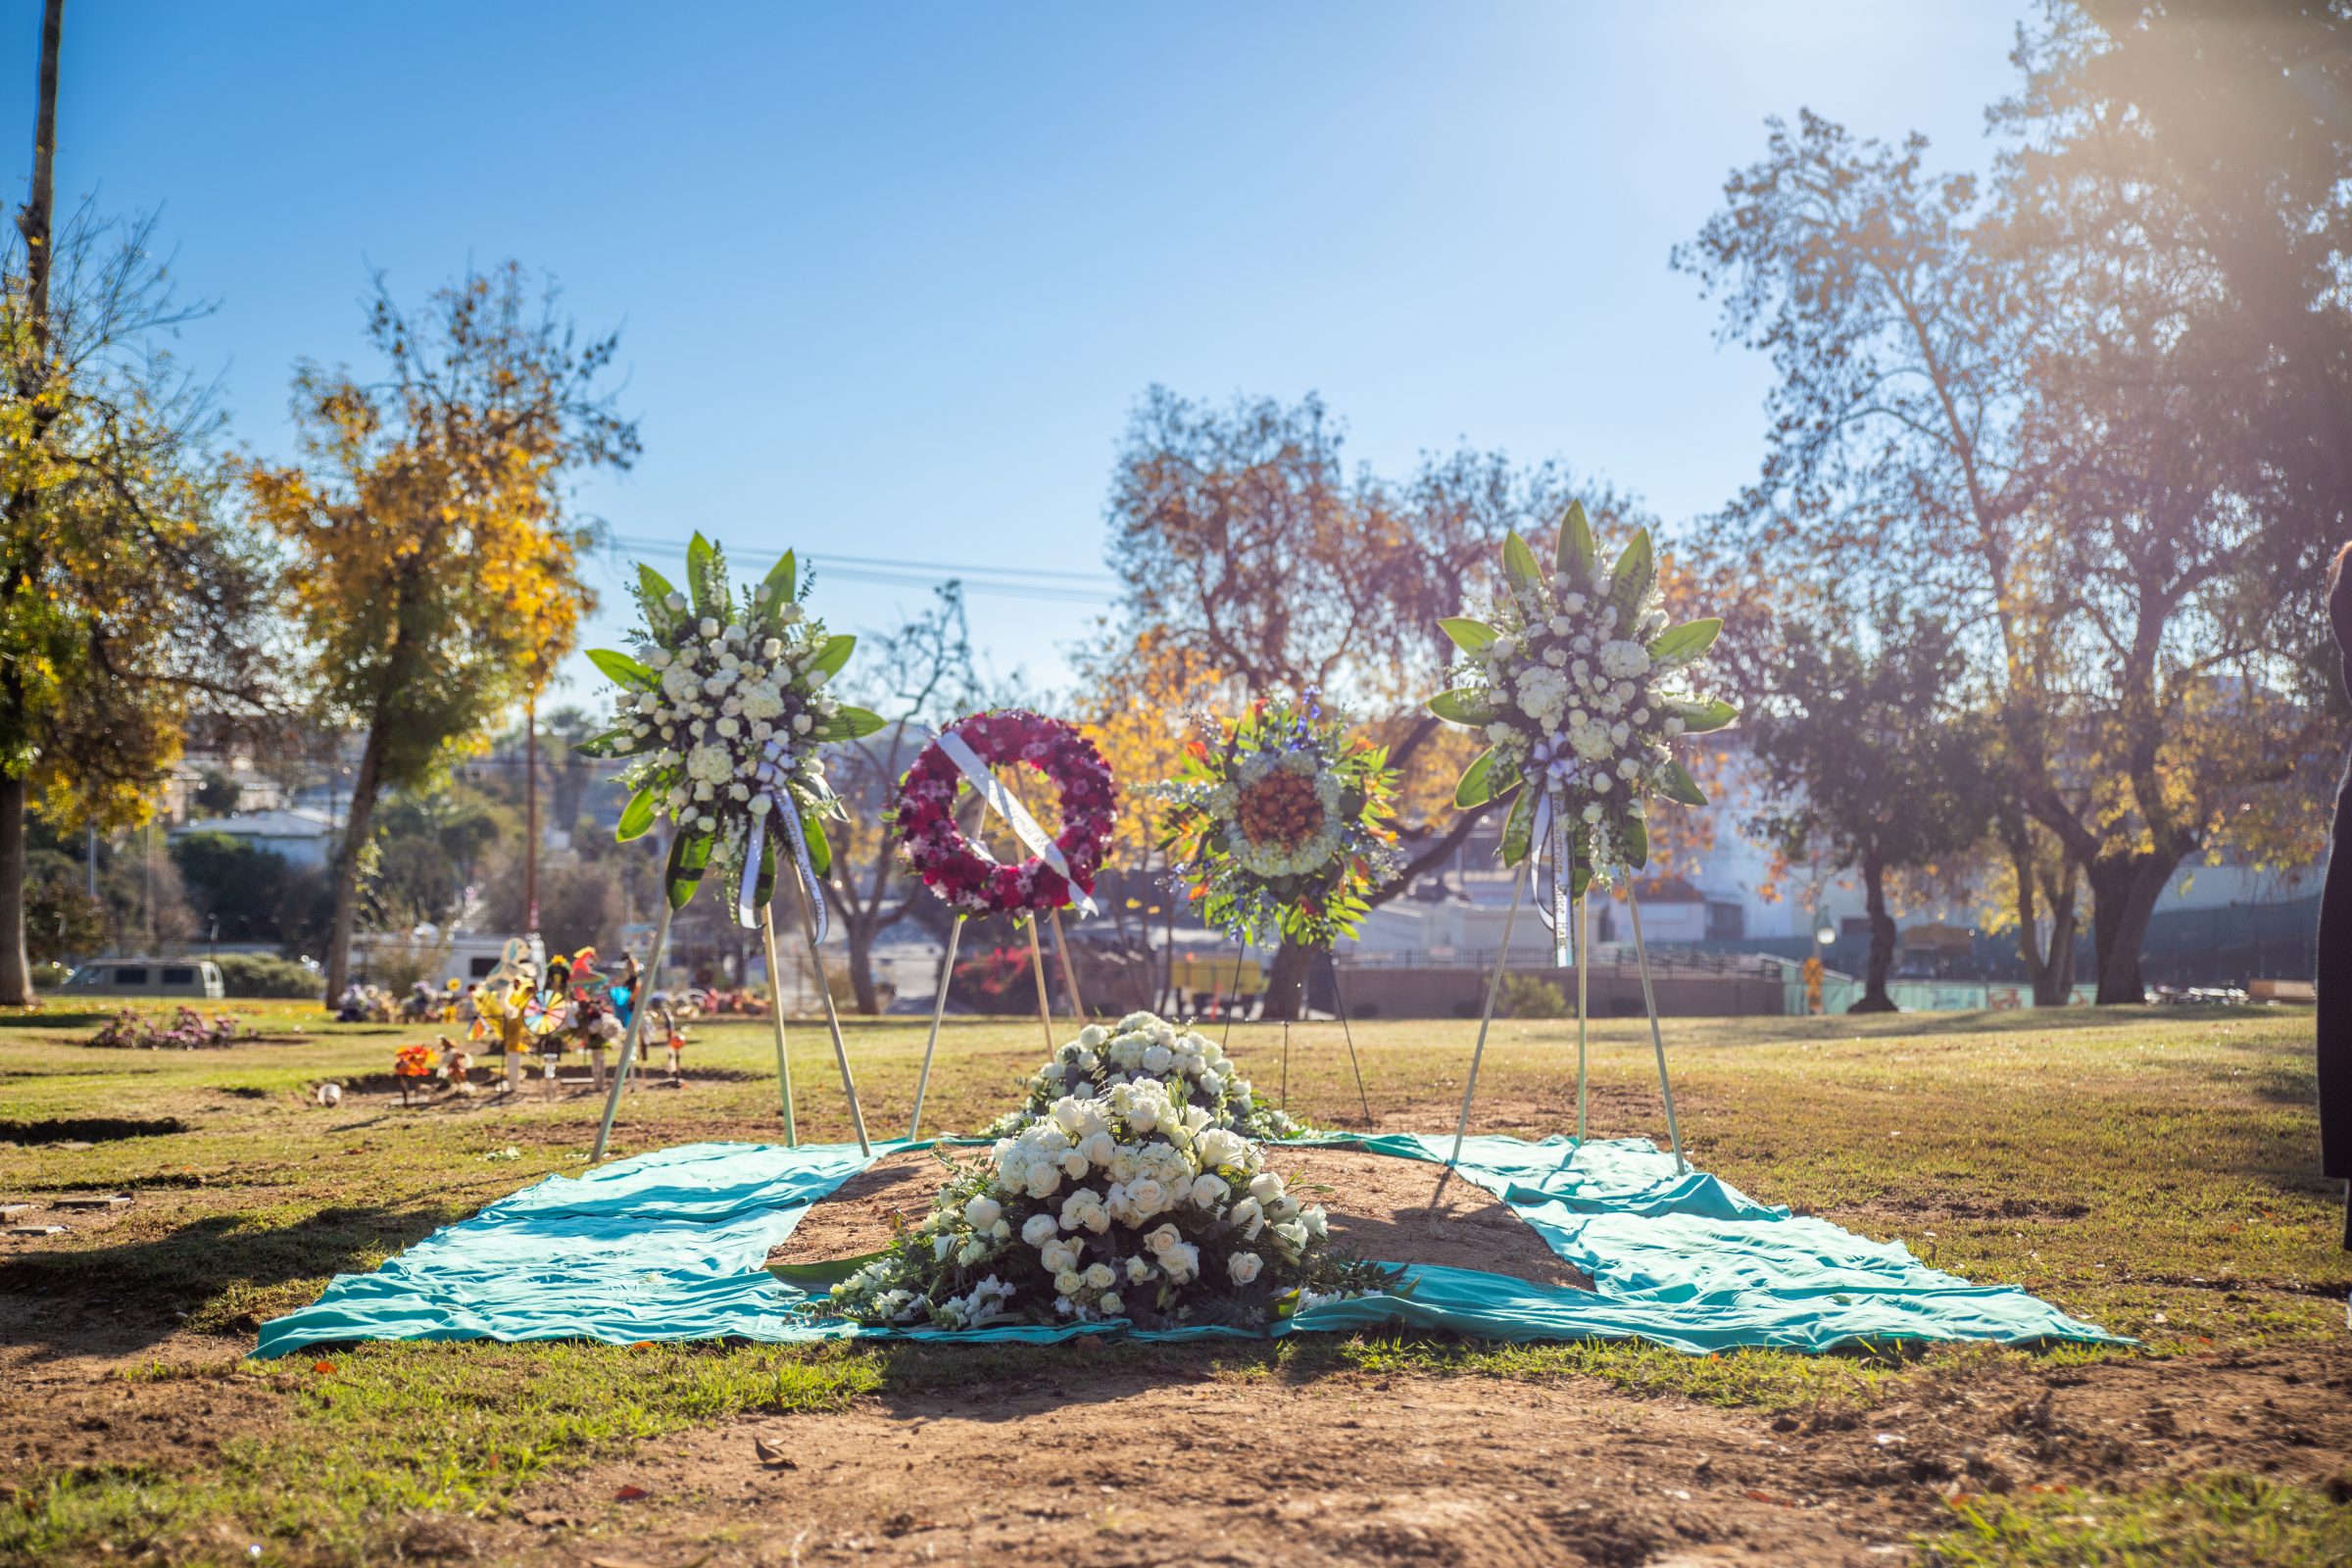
column 962, row 873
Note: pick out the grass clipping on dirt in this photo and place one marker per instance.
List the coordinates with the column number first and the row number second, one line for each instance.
column 1127, row 1188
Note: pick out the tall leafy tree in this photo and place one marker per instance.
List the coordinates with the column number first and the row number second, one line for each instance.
column 1254, row 560
column 125, row 601
column 435, row 556
column 1989, row 409
column 1871, row 755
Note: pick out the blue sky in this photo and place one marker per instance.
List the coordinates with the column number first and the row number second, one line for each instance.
column 892, row 277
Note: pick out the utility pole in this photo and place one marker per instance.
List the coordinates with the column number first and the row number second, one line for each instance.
column 530, row 814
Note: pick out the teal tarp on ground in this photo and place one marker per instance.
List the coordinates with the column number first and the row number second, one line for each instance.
column 672, row 1246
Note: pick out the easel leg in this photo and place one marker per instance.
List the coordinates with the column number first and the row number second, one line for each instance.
column 1037, row 966
column 628, row 1042
column 1502, row 961
column 1583, row 1007
column 840, row 1052
column 1338, row 1006
column 1233, row 994
column 1069, row 971
column 1657, row 1040
column 1286, row 1063
column 775, row 998
column 939, row 1011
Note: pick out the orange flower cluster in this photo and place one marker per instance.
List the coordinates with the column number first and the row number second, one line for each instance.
column 416, row 1062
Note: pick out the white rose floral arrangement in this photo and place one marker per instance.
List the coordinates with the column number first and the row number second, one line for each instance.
column 1582, row 690
column 1123, row 1205
column 1144, row 1048
column 723, row 711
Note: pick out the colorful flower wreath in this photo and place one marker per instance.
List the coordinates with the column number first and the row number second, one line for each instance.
column 962, row 871
column 1278, row 821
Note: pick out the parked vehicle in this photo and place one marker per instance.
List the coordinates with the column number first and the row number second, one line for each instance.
column 146, row 977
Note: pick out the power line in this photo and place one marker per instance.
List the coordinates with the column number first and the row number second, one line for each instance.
column 1055, row 586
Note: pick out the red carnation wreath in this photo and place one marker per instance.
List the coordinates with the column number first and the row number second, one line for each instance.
column 962, row 872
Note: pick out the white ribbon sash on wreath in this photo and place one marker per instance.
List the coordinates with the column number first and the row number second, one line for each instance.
column 1002, row 801
column 768, row 783
column 1550, row 869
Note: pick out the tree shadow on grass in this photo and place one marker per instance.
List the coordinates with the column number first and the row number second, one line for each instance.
column 222, row 1272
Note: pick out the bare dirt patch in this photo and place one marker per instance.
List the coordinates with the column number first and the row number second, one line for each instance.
column 1110, row 1466
column 1396, row 1210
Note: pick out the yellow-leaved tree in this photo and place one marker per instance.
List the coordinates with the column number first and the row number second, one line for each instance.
column 125, row 601
column 433, row 560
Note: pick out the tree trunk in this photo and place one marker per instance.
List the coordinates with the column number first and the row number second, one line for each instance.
column 1286, row 979
column 2124, row 890
column 16, row 969
column 357, row 825
column 2050, row 971
column 34, row 222
column 1882, row 943
column 861, row 969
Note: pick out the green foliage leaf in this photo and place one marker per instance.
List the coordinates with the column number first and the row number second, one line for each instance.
column 1679, row 785
column 1519, row 828
column 1520, row 561
column 852, row 724
column 1636, row 570
column 620, row 741
column 654, row 591
column 701, row 556
column 782, row 581
column 1702, row 717
column 636, row 816
column 1679, row 645
column 689, row 857
column 1461, row 707
column 835, row 653
column 622, row 670
column 763, row 886
column 1575, row 554
column 821, row 848
column 1633, row 834
column 1477, row 782
column 1468, row 635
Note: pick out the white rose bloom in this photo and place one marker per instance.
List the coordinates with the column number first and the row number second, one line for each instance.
column 1138, row 1270
column 982, row 1212
column 1147, row 1197
column 709, row 628
column 1266, row 1187
column 1208, row 1191
column 1039, row 1229
column 674, row 602
column 1247, row 1218
column 1159, row 1239
column 800, row 723
column 1067, row 1283
column 1110, row 1303
column 1157, row 1060
column 1244, row 1267
column 1058, row 1257
column 1101, row 1277
column 1182, row 1261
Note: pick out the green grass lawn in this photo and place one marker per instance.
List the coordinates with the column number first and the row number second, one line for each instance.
column 2152, row 1171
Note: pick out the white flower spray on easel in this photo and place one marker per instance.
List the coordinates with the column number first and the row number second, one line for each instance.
column 1581, row 689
